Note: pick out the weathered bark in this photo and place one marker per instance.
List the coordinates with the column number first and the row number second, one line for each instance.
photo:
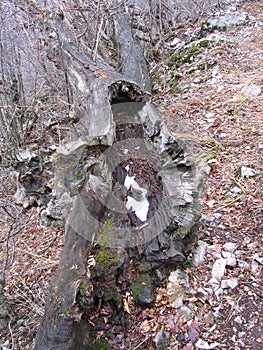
column 118, row 134
column 62, row 312
column 161, row 164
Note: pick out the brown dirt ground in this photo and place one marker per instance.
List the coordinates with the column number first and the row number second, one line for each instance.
column 232, row 140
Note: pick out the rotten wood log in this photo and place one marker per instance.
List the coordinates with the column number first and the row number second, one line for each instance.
column 119, row 138
column 90, row 184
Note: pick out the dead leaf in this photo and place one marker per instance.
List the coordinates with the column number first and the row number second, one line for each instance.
column 145, row 326
column 210, row 203
column 193, row 332
column 126, row 306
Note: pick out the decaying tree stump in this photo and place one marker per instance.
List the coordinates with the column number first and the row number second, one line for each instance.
column 126, row 186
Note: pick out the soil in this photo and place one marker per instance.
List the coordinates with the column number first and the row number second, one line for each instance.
column 213, row 107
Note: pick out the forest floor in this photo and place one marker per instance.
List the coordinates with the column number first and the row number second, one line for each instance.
column 221, row 108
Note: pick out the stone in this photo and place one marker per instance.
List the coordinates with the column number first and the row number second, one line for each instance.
column 161, row 340
column 254, row 267
column 145, row 298
column 186, row 313
column 178, row 284
column 230, row 283
column 175, row 42
column 218, row 269
column 202, row 344
column 253, row 90
column 199, row 253
column 211, row 217
column 230, row 247
column 246, row 172
column 214, row 282
column 227, row 20
column 259, row 260
column 243, row 265
column 235, row 190
column 238, row 319
column 230, row 259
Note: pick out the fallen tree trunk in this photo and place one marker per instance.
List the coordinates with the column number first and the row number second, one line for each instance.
column 126, row 186
column 92, row 170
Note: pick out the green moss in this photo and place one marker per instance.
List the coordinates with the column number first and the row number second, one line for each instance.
column 204, row 43
column 187, row 54
column 106, row 260
column 194, row 38
column 108, row 266
column 54, row 326
column 79, row 175
column 157, row 80
column 65, row 313
column 111, row 294
column 144, row 266
column 82, row 287
column 205, row 29
column 100, row 345
column 138, row 286
column 110, row 335
column 106, row 232
column 174, row 90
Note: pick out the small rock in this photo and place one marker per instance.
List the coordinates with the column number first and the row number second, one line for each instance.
column 161, row 340
column 211, row 217
column 228, row 20
column 254, row 267
column 197, row 81
column 25, row 156
column 145, row 298
column 253, row 245
column 217, row 312
column 236, row 190
column 259, row 260
column 178, row 284
column 199, row 253
column 186, row 313
column 218, row 269
column 238, row 319
column 202, row 344
column 209, row 116
column 231, row 283
column 214, row 282
column 218, row 292
column 246, row 172
column 253, row 90
column 175, row 42
column 229, row 246
column 230, row 259
column 243, row 265
column 241, row 334
column 205, row 291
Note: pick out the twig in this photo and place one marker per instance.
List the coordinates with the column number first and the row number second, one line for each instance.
column 137, row 347
column 10, row 331
column 31, row 305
